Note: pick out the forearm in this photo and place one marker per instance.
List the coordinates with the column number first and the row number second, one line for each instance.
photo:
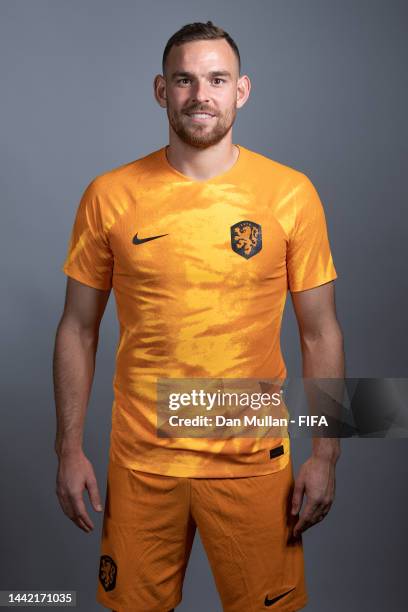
column 323, row 358
column 73, row 370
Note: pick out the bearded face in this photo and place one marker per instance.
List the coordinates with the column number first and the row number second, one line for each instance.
column 201, row 130
column 201, row 91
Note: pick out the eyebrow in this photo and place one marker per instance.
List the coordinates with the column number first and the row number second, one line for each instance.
column 213, row 73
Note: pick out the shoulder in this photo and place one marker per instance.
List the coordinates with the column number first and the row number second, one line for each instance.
column 266, row 167
column 123, row 177
column 286, row 185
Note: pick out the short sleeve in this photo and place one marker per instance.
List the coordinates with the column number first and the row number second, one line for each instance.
column 89, row 257
column 308, row 259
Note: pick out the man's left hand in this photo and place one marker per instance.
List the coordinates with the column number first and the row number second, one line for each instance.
column 317, row 480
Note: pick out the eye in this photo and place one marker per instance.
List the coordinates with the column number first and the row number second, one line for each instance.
column 182, row 79
column 219, row 79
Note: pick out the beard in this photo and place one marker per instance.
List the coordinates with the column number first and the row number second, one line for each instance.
column 199, row 135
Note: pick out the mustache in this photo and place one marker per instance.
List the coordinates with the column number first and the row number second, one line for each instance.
column 200, row 110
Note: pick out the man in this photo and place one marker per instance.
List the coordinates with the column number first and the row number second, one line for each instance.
column 200, row 241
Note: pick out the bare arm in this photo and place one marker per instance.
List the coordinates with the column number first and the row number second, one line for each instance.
column 322, row 345
column 323, row 357
column 73, row 369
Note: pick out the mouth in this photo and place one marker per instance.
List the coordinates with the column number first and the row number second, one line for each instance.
column 200, row 116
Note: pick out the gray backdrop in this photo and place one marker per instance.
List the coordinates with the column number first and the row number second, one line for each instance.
column 329, row 97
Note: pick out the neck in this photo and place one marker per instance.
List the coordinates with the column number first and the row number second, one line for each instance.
column 201, row 164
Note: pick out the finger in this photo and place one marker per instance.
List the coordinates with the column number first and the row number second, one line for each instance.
column 82, row 522
column 70, row 513
column 65, row 505
column 82, row 525
column 301, row 526
column 316, row 516
column 316, row 512
column 324, row 512
column 68, row 506
column 297, row 496
column 80, row 510
column 305, row 518
column 324, row 506
column 94, row 496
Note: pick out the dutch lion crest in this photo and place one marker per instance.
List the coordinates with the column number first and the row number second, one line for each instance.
column 107, row 572
column 246, row 238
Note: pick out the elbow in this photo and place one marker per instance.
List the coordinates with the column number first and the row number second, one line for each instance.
column 69, row 327
column 325, row 335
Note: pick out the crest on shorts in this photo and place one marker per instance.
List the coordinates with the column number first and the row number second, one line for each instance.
column 246, row 238
column 107, row 572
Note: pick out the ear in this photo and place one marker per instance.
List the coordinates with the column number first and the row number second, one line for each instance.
column 159, row 89
column 243, row 89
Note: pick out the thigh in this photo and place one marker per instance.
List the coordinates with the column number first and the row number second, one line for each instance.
column 246, row 529
column 147, row 536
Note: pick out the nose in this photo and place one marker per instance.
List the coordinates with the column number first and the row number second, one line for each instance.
column 199, row 92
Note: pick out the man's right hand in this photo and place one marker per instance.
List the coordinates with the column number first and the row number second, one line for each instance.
column 75, row 473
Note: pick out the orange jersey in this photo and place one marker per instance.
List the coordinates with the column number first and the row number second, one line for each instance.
column 200, row 272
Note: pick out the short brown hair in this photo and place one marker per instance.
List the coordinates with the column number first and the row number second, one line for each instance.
column 199, row 31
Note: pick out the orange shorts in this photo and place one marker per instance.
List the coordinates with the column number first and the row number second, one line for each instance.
column 245, row 527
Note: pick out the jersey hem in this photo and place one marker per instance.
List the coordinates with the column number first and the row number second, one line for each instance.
column 85, row 280
column 184, row 471
column 113, row 606
column 314, row 283
column 294, row 606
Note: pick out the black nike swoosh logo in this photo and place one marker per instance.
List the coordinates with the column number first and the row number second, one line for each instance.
column 270, row 602
column 137, row 240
